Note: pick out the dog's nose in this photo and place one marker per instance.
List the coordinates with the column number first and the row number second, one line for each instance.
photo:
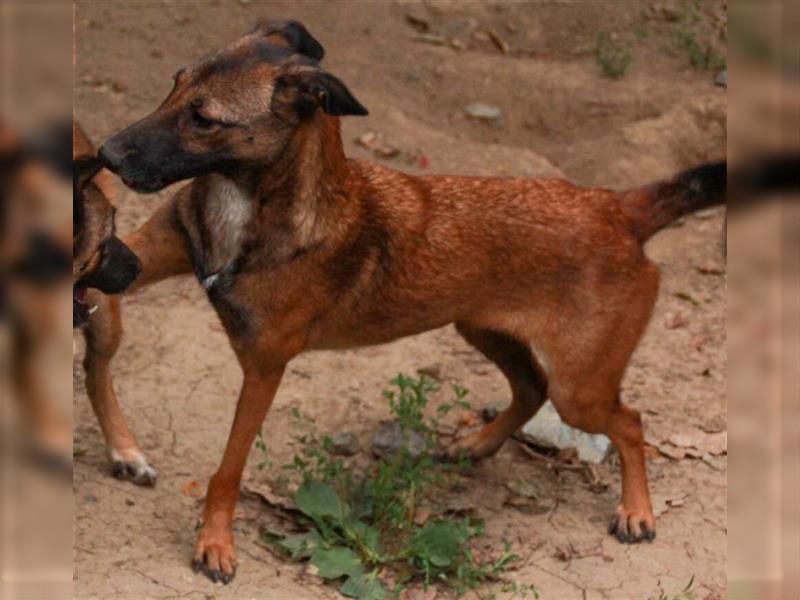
column 111, row 153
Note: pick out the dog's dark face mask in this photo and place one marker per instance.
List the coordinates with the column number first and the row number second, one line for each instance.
column 99, row 258
column 236, row 110
column 32, row 173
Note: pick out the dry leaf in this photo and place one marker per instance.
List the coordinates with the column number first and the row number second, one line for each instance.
column 709, row 269
column 265, row 493
column 702, row 442
column 675, row 320
column 192, row 488
column 468, row 419
column 419, row 23
column 518, row 501
column 379, row 147
column 671, row 451
column 421, row 515
column 497, row 41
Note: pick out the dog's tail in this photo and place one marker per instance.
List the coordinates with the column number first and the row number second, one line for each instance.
column 649, row 209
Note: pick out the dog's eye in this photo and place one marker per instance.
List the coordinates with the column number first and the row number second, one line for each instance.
column 202, row 122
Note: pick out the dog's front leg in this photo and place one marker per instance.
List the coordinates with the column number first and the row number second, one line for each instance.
column 214, row 553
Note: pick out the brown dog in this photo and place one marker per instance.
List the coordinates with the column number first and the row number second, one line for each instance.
column 36, row 241
column 300, row 248
column 34, row 277
column 102, row 265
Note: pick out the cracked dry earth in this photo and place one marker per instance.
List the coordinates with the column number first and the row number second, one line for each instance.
column 178, row 379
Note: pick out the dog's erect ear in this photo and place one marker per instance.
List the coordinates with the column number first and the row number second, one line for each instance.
column 83, row 169
column 293, row 35
column 306, row 89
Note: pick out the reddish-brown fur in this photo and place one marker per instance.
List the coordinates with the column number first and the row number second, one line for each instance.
column 547, row 279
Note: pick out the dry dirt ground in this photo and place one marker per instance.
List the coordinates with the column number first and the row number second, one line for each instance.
column 178, row 379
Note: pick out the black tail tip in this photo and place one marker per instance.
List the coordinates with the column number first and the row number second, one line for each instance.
column 710, row 176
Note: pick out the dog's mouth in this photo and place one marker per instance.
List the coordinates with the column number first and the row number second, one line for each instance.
column 81, row 311
column 143, row 186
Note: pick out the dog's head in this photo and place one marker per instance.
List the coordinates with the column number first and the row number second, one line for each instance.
column 99, row 258
column 237, row 108
column 34, row 214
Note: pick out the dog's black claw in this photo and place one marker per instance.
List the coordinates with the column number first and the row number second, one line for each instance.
column 227, row 577
column 619, row 531
column 215, row 575
column 119, row 469
column 197, row 565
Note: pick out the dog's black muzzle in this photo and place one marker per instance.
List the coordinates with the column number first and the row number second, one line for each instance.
column 118, row 269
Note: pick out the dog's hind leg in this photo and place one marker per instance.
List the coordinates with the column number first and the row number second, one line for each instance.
column 584, row 388
column 103, row 333
column 528, row 386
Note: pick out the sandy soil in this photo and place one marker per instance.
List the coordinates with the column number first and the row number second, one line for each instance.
column 178, row 379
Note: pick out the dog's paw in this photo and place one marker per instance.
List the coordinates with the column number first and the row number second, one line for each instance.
column 474, row 447
column 133, row 466
column 214, row 555
column 632, row 527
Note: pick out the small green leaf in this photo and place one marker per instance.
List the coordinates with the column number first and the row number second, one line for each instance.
column 364, row 586
column 301, row 545
column 440, row 542
column 318, row 501
column 336, row 562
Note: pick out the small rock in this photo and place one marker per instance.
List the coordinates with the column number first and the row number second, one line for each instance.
column 485, row 112
column 526, row 489
column 433, row 371
column 345, row 444
column 391, row 437
column 547, row 429
column 722, row 79
column 419, row 23
column 675, row 320
column 129, row 502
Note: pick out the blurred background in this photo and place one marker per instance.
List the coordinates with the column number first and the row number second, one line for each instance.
column 35, row 331
column 615, row 93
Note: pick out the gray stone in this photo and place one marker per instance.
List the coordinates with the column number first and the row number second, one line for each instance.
column 390, row 438
column 479, row 110
column 722, row 79
column 547, row 429
column 345, row 444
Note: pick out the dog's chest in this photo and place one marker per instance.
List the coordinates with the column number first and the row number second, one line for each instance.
column 226, row 214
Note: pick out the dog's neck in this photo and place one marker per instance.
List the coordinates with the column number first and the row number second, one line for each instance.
column 305, row 182
column 293, row 205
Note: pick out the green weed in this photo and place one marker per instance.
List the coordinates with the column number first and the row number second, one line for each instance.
column 612, row 57
column 360, row 527
column 701, row 56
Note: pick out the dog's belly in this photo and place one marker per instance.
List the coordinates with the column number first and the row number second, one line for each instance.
column 339, row 331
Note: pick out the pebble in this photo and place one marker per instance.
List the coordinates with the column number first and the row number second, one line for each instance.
column 345, row 444
column 390, row 438
column 486, row 112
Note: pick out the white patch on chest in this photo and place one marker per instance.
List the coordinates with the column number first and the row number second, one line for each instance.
column 228, row 211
